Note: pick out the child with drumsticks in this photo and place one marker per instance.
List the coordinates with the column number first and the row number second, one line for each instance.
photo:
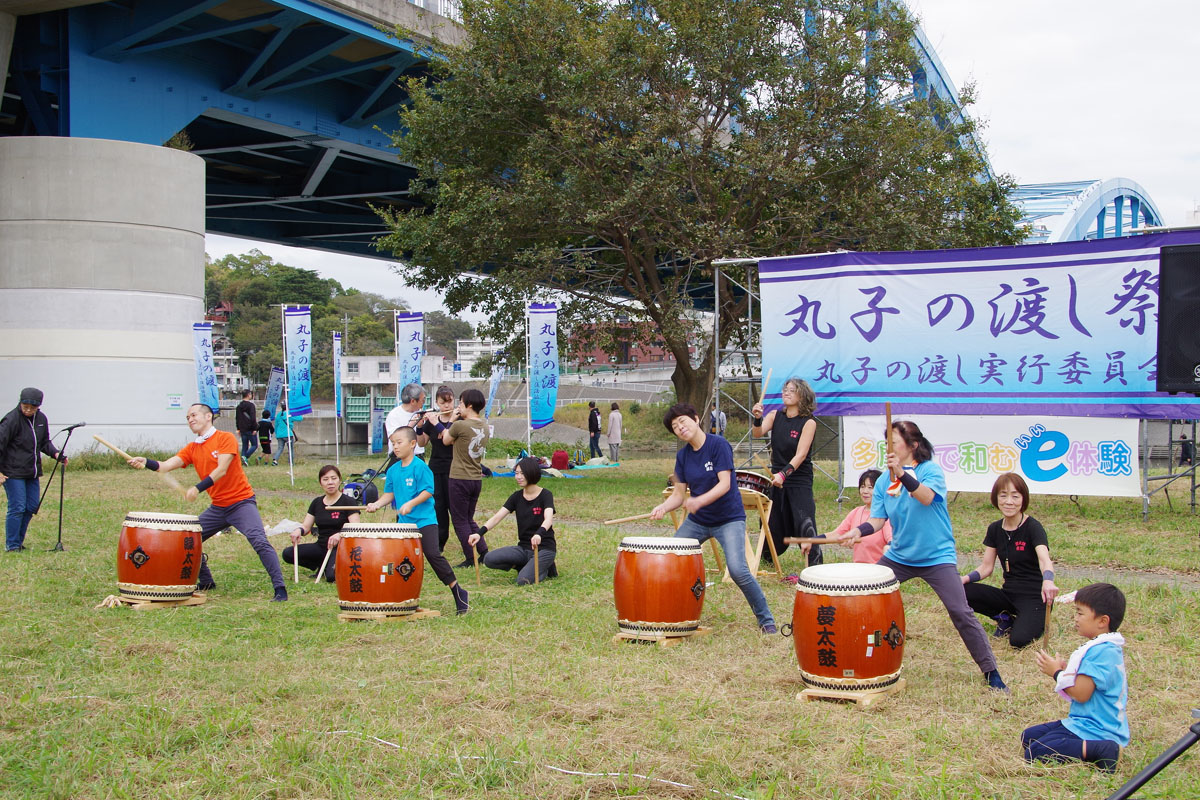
column 868, row 549
column 409, row 483
column 1093, row 679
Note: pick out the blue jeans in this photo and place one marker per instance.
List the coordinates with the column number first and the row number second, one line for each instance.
column 22, row 501
column 249, row 444
column 732, row 538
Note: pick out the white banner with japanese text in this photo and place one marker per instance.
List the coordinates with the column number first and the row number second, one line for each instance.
column 543, row 363
column 297, row 340
column 207, row 391
column 410, row 347
column 1055, row 455
column 1065, row 329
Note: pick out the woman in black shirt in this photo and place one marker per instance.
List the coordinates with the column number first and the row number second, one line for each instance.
column 440, row 456
column 792, row 429
column 1019, row 540
column 534, row 507
column 325, row 520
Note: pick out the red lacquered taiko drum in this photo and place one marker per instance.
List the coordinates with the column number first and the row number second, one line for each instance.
column 158, row 556
column 659, row 586
column 380, row 568
column 848, row 625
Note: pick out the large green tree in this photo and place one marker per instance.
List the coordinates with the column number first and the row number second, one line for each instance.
column 609, row 150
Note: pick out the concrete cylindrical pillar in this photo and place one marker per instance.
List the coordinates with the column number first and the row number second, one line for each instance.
column 101, row 278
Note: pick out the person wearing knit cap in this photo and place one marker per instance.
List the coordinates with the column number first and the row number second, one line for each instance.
column 24, row 436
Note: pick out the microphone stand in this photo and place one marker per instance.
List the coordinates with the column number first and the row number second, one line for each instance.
column 58, row 546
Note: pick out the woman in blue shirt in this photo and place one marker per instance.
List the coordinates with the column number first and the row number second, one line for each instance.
column 922, row 540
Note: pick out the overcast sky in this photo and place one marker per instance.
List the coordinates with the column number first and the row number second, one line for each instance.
column 1067, row 90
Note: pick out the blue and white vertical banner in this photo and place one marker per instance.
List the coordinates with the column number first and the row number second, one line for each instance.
column 297, row 336
column 337, row 374
column 494, row 383
column 543, row 363
column 207, row 391
column 1065, row 329
column 410, row 347
column 274, row 391
column 1055, row 455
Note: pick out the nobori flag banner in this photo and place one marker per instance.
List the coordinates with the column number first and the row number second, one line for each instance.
column 337, row 375
column 1062, row 329
column 410, row 347
column 1055, row 455
column 274, row 391
column 297, row 337
column 207, row 391
column 494, row 383
column 543, row 363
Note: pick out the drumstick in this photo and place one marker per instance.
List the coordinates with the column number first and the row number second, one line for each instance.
column 627, row 519
column 887, row 430
column 478, row 583
column 165, row 478
column 766, row 382
column 1046, row 635
column 295, row 563
column 807, row 540
column 537, row 573
column 321, row 571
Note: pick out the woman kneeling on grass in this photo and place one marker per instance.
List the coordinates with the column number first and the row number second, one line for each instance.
column 534, row 507
column 1019, row 608
column 325, row 519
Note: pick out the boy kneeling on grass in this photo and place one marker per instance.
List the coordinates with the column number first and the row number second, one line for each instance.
column 1093, row 679
column 409, row 486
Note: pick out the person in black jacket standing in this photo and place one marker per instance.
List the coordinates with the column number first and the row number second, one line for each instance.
column 246, row 417
column 594, row 450
column 24, row 435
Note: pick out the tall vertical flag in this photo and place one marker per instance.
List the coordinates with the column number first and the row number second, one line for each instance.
column 543, row 363
column 410, row 347
column 337, row 374
column 297, row 340
column 206, row 375
column 497, row 374
column 274, row 391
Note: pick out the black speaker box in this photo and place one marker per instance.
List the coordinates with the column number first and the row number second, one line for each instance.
column 1179, row 319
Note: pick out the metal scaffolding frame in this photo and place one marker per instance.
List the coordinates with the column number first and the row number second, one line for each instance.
column 747, row 345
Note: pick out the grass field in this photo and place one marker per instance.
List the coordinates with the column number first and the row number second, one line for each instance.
column 241, row 698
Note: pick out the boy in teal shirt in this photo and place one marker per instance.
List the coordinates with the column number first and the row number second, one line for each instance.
column 1093, row 679
column 409, row 483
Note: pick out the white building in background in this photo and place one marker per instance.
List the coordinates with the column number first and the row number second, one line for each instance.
column 470, row 351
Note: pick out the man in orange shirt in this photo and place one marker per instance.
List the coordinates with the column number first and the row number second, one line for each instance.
column 214, row 453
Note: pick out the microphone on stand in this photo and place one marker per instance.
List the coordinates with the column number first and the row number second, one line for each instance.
column 73, row 427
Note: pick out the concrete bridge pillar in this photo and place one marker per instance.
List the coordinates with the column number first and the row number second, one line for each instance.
column 101, row 278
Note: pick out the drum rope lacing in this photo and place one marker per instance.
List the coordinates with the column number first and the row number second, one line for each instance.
column 878, row 587
column 679, row 549
column 165, row 522
column 849, row 684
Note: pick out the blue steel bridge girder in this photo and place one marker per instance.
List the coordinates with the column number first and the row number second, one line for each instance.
column 1080, row 210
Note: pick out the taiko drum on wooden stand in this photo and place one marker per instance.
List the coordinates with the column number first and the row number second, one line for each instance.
column 158, row 556
column 659, row 587
column 380, row 568
column 848, row 627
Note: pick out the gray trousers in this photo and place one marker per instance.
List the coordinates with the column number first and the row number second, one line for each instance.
column 242, row 515
column 947, row 584
column 613, row 450
column 520, row 559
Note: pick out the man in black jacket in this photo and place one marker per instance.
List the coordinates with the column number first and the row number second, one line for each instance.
column 246, row 417
column 24, row 435
column 594, row 431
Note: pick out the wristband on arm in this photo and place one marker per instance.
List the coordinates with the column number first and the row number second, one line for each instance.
column 973, row 576
column 758, row 421
column 866, row 529
column 482, row 530
column 1048, row 575
column 205, row 484
column 788, row 470
column 909, row 481
column 151, row 465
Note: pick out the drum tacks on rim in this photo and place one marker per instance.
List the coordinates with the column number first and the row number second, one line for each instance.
column 158, row 556
column 380, row 568
column 659, row 587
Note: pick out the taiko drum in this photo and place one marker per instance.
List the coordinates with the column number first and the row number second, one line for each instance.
column 752, row 480
column 380, row 568
column 158, row 556
column 848, row 627
column 659, row 586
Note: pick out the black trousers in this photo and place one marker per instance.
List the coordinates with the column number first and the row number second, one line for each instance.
column 310, row 556
column 791, row 507
column 441, row 505
column 1027, row 610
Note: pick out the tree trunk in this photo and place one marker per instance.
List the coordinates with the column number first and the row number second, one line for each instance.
column 694, row 384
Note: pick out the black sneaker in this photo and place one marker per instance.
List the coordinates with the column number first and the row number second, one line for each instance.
column 280, row 595
column 995, row 682
column 1003, row 625
column 464, row 564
